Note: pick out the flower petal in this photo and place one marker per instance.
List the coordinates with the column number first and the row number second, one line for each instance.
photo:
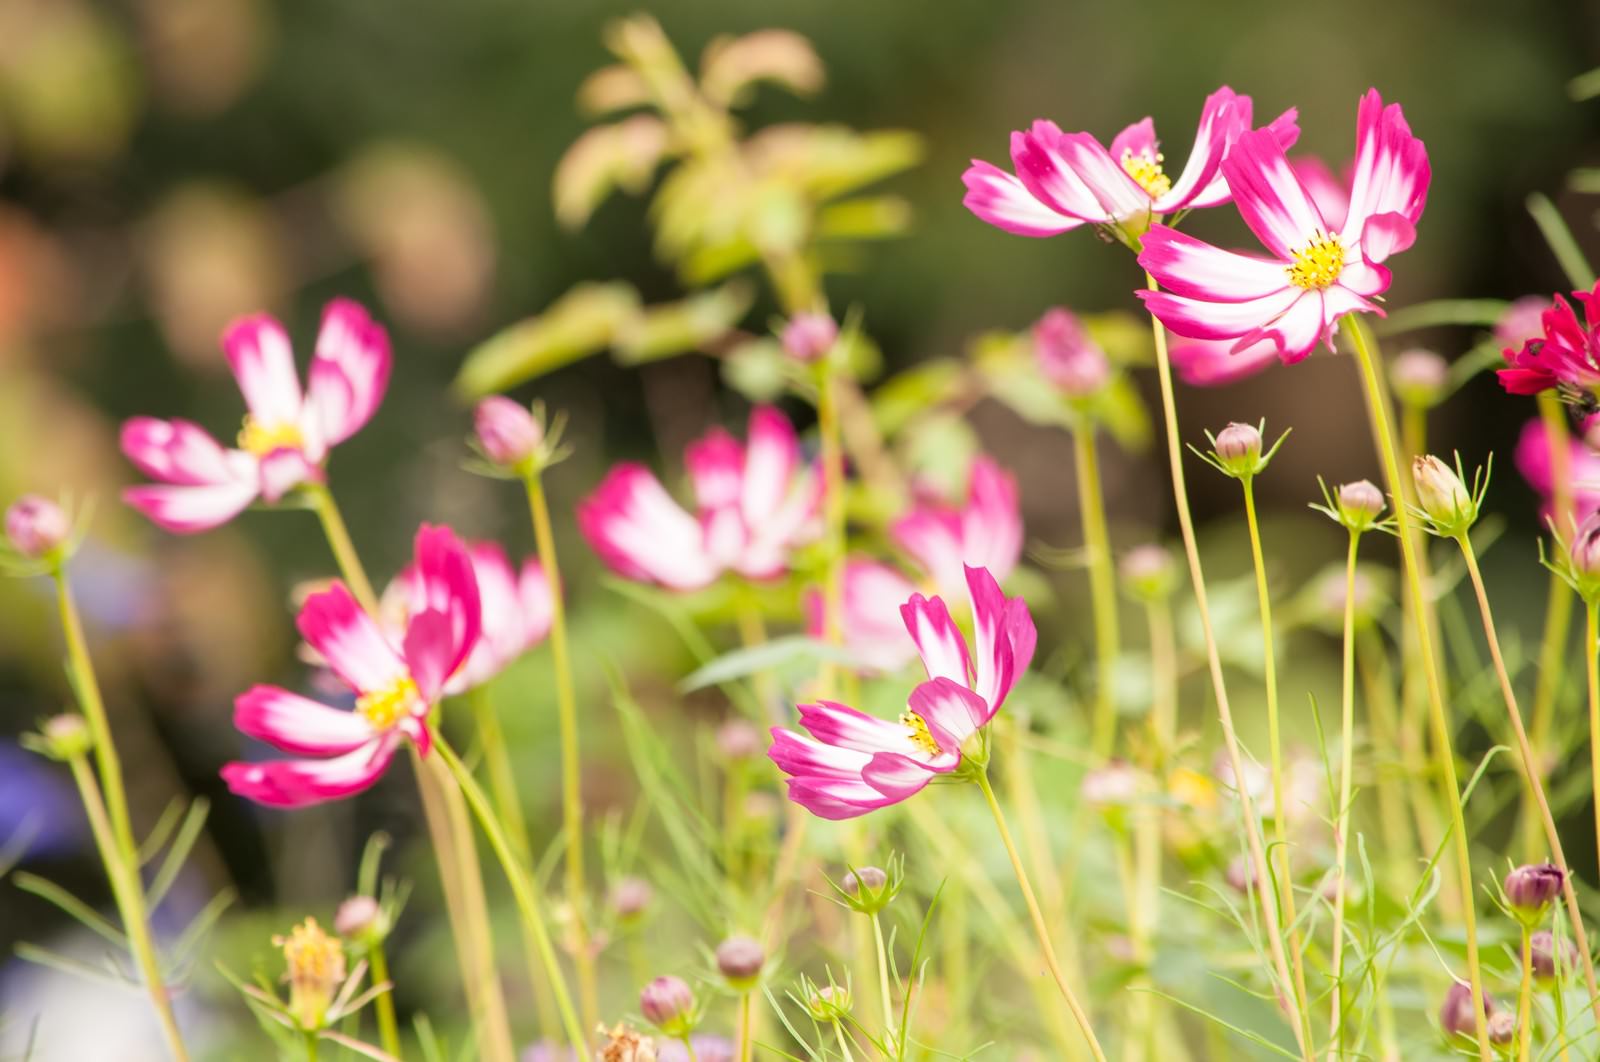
column 991, row 523
column 1391, row 170
column 298, row 724
column 349, row 372
column 636, row 528
column 1386, row 234
column 1212, row 362
column 1045, row 173
column 874, row 635
column 444, row 585
column 186, row 510
column 262, row 359
column 805, row 757
column 336, row 627
column 715, row 462
column 1004, row 202
column 281, row 471
column 939, row 640
column 953, row 712
column 772, row 454
column 836, row 799
column 839, row 724
column 898, row 776
column 1224, row 115
column 1269, row 195
column 181, row 452
column 1329, row 193
column 1004, row 634
column 1118, row 194
column 1199, row 319
column 300, row 783
column 1186, row 266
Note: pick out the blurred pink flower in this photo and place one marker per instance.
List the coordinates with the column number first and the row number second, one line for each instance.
column 1064, row 180
column 1068, row 356
column 1213, row 362
column 755, row 504
column 286, row 434
column 1562, row 352
column 1318, row 271
column 395, row 684
column 873, row 631
column 1533, row 461
column 852, row 763
column 1522, row 320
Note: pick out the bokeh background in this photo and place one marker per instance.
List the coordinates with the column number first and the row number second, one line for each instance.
column 168, row 164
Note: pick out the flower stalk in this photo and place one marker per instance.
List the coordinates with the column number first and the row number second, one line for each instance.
column 1102, row 588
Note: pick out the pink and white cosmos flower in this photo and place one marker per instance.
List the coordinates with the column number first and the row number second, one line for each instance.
column 1533, row 456
column 1563, row 352
column 287, row 433
column 849, row 763
column 755, row 504
column 1317, row 271
column 396, row 684
column 1064, row 180
column 874, row 633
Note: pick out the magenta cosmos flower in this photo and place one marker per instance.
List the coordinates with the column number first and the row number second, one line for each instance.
column 1317, row 271
column 1533, row 458
column 287, row 433
column 1563, row 353
column 755, row 504
column 517, row 607
column 1064, row 180
column 852, row 763
column 985, row 531
column 396, row 683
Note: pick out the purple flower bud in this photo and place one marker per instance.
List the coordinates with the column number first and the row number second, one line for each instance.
column 739, row 959
column 1456, row 1016
column 870, row 878
column 507, row 432
column 668, row 1004
column 809, row 336
column 1239, row 448
column 739, row 740
column 1419, row 377
column 1542, row 955
column 1067, row 356
column 1360, row 503
column 36, row 525
column 1586, row 547
column 1530, row 889
column 357, row 917
column 1441, row 493
column 630, row 897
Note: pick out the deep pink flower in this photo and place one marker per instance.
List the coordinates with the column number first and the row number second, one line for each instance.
column 396, row 684
column 755, row 504
column 1564, row 352
column 517, row 608
column 852, row 763
column 1064, row 180
column 287, row 433
column 1583, row 465
column 1317, row 271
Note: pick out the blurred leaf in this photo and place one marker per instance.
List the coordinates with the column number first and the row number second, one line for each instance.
column 1479, row 313
column 832, row 160
column 612, row 88
column 711, row 262
column 730, row 67
column 172, row 865
column 906, row 394
column 606, row 158
column 584, row 320
column 938, row 449
column 867, row 218
column 1585, row 86
column 72, row 967
column 1562, row 243
column 677, row 327
column 159, row 834
column 769, row 656
column 757, row 369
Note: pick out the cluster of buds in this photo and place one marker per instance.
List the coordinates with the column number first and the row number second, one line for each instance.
column 1237, row 450
column 669, row 1004
column 1444, row 504
column 871, row 889
column 1149, row 573
column 513, row 440
column 1457, row 1019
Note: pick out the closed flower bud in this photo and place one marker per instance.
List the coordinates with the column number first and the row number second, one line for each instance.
column 63, row 737
column 1238, row 447
column 1530, row 890
column 1359, row 504
column 630, row 898
column 315, row 971
column 739, row 740
column 1148, row 573
column 1502, row 1028
column 360, row 918
column 871, row 889
column 1542, row 956
column 1419, row 378
column 36, row 526
column 808, row 337
column 739, row 959
column 1586, row 548
column 870, row 878
column 1442, row 495
column 668, row 1003
column 1456, row 1016
column 507, row 433
column 828, row 1002
column 1068, row 357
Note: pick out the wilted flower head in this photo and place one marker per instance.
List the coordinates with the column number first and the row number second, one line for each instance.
column 507, row 432
column 1068, row 356
column 668, row 1003
column 36, row 526
column 1419, row 378
column 808, row 337
column 622, row 1043
column 1531, row 888
column 1444, row 499
column 315, row 970
column 739, row 960
column 1148, row 572
column 1456, row 1014
column 1542, row 955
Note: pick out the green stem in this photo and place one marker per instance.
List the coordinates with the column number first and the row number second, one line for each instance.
column 1280, row 810
column 523, row 889
column 1525, row 997
column 883, row 979
column 744, row 1052
column 1219, row 687
column 311, row 1047
column 833, row 509
column 571, row 765
column 1102, row 589
column 1347, row 715
column 688, row 1047
column 344, row 551
column 1039, row 928
column 844, row 1041
column 1591, row 645
column 1530, row 771
column 1558, row 603
column 1449, row 785
column 388, row 1026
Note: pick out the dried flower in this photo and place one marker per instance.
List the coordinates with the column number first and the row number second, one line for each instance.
column 622, row 1044
column 36, row 526
column 740, row 959
column 315, row 971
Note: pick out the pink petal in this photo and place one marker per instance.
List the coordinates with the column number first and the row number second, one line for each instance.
column 1001, row 199
column 1199, row 319
column 932, row 536
column 349, row 372
column 939, row 640
column 1136, row 139
column 1004, row 637
column 1212, row 362
column 427, row 651
column 300, row 783
column 836, row 800
column 898, row 776
column 1391, row 170
column 1044, row 172
column 1284, row 129
column 1186, row 266
column 185, row 510
column 1329, row 193
column 445, row 586
column 1296, row 332
column 1118, row 194
column 336, row 627
column 772, row 454
column 839, row 724
column 953, row 712
column 258, row 350
column 636, row 528
column 873, row 632
column 297, row 724
column 1384, row 235
column 806, row 757
column 1223, row 117
column 1269, row 196
column 183, row 453
column 716, row 468
column 283, row 470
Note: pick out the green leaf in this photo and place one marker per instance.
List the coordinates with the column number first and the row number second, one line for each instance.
column 768, row 656
column 73, row 907
column 865, row 218
column 678, row 327
column 585, row 320
column 903, row 396
column 187, row 834
column 1473, row 313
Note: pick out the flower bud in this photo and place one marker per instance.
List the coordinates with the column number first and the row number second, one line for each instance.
column 1148, row 572
column 1530, row 890
column 507, row 433
column 808, row 337
column 1238, row 448
column 668, row 1004
column 63, row 737
column 1456, row 1016
column 1442, row 495
column 828, row 1002
column 1502, row 1028
column 360, row 918
column 871, row 889
column 1522, row 320
column 630, row 898
column 1585, row 549
column 738, row 740
column 871, row 878
column 1542, row 956
column 1359, row 504
column 1068, row 357
column 739, row 959
column 1419, row 378
column 315, row 971
column 36, row 526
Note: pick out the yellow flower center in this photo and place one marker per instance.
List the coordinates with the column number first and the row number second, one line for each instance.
column 386, row 707
column 1147, row 172
column 262, row 439
column 316, row 967
column 1318, row 264
column 921, row 737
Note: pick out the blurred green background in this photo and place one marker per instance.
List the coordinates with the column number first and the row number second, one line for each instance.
column 168, row 164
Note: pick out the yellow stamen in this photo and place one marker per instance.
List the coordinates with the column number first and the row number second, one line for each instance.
column 262, row 439
column 920, row 735
column 1147, row 172
column 316, row 968
column 386, row 707
column 1318, row 264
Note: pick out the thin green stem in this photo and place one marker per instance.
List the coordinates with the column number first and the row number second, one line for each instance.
column 688, row 1047
column 388, row 1026
column 744, row 1052
column 1280, row 810
column 844, row 1041
column 523, row 889
column 833, row 510
column 1347, row 718
column 1558, row 604
column 1102, row 588
column 571, row 765
column 1591, row 660
column 1530, row 771
column 1525, row 997
column 344, row 551
column 1219, row 686
column 1449, row 785
column 1078, row 1013
column 883, row 978
column 311, row 1047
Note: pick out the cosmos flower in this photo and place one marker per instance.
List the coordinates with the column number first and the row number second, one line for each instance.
column 1563, row 353
column 287, row 433
column 1533, row 456
column 396, row 684
column 1064, row 180
column 755, row 504
column 850, row 763
column 1317, row 271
